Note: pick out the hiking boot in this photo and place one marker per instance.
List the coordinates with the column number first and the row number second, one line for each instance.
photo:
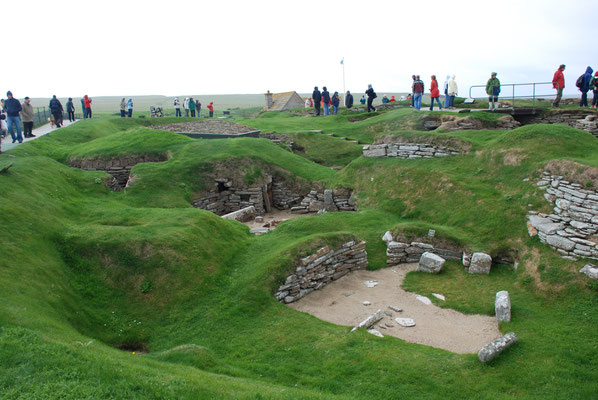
column 32, row 135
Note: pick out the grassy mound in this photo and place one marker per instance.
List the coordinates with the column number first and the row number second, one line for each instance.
column 137, row 295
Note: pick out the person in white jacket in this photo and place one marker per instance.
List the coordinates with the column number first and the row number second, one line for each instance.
column 445, row 91
column 177, row 107
column 186, row 106
column 452, row 91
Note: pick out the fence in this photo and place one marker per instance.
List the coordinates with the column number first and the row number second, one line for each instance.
column 515, row 91
column 42, row 114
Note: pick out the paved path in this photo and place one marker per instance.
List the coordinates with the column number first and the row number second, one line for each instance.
column 38, row 132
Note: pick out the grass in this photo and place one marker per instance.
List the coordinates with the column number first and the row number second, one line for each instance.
column 90, row 276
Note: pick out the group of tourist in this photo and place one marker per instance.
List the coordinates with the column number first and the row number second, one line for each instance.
column 584, row 83
column 126, row 108
column 192, row 107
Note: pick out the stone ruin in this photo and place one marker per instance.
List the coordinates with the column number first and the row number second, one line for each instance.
column 225, row 198
column 118, row 167
column 407, row 150
column 319, row 269
column 572, row 227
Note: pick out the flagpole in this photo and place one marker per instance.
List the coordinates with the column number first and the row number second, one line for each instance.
column 344, row 91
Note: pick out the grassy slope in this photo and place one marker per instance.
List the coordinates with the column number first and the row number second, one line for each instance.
column 210, row 284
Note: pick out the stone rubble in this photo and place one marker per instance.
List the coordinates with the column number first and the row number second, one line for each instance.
column 375, row 333
column 590, row 270
column 571, row 227
column 480, row 263
column 317, row 270
column 370, row 321
column 403, row 252
column 439, row 296
column 430, row 263
column 424, row 299
column 502, row 306
column 406, row 322
column 407, row 150
column 490, row 351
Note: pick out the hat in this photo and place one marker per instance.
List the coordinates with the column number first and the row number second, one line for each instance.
column 9, row 93
column 26, row 97
column 494, row 73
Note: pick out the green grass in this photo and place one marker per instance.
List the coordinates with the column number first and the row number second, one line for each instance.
column 86, row 271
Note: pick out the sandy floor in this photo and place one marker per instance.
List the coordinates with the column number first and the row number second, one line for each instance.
column 341, row 302
column 273, row 218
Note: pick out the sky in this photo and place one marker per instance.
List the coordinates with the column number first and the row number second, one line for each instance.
column 128, row 48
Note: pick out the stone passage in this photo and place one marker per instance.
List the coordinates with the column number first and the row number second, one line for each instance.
column 407, row 150
column 317, row 270
column 224, row 198
column 403, row 252
column 572, row 227
column 118, row 167
column 328, row 200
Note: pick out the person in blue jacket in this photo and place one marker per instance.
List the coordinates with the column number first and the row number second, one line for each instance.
column 336, row 100
column 326, row 100
column 129, row 106
column 585, row 87
column 13, row 118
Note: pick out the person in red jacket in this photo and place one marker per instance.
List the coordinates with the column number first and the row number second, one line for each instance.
column 434, row 93
column 558, row 83
column 211, row 108
column 87, row 103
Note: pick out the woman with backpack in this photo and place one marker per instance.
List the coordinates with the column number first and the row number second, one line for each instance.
column 493, row 90
column 371, row 96
column 435, row 93
column 583, row 83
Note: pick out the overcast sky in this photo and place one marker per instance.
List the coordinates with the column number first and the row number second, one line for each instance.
column 107, row 47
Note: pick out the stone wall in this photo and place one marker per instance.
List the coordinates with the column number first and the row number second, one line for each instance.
column 317, row 270
column 223, row 198
column 118, row 167
column 284, row 198
column 407, row 150
column 586, row 120
column 572, row 226
column 328, row 200
column 400, row 252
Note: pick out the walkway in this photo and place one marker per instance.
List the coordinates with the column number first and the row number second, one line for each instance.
column 38, row 132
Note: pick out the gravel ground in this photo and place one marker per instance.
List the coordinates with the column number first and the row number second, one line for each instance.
column 206, row 127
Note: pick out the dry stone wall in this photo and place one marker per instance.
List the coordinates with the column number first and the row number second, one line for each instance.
column 399, row 252
column 572, row 226
column 223, row 198
column 327, row 200
column 407, row 150
column 586, row 120
column 319, row 269
column 118, row 167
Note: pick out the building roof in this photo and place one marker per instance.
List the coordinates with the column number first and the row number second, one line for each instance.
column 280, row 101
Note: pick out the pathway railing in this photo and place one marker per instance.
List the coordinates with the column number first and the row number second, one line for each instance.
column 42, row 114
column 528, row 91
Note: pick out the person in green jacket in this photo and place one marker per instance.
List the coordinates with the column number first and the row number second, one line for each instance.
column 493, row 90
column 192, row 106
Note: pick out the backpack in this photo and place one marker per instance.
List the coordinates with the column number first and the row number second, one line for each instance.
column 579, row 81
column 374, row 95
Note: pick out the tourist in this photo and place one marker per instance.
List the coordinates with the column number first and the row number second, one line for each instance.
column 83, row 108
column 27, row 118
column 123, row 108
column 558, row 83
column 87, row 101
column 130, row 107
column 392, row 99
column 317, row 96
column 2, row 120
column 326, row 100
column 371, row 96
column 434, row 93
column 385, row 99
column 585, row 86
column 336, row 100
column 211, row 108
column 412, row 94
column 192, row 107
column 452, row 91
column 198, row 107
column 70, row 109
column 362, row 100
column 177, row 107
column 307, row 103
column 594, row 89
column 493, row 90
column 348, row 99
column 186, row 106
column 56, row 110
column 13, row 120
column 418, row 91
column 445, row 91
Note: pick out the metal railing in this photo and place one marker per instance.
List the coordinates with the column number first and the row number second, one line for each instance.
column 42, row 114
column 518, row 91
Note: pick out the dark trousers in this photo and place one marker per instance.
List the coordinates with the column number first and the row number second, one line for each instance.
column 211, row 114
column 557, row 99
column 584, row 99
column 193, row 113
column 57, row 118
column 317, row 108
column 71, row 116
column 122, row 113
column 412, row 99
column 88, row 112
column 130, row 113
column 595, row 99
column 178, row 112
column 370, row 106
column 28, row 128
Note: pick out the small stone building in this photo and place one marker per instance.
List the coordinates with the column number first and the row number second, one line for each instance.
column 283, row 101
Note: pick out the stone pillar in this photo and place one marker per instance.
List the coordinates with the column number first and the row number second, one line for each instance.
column 269, row 101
